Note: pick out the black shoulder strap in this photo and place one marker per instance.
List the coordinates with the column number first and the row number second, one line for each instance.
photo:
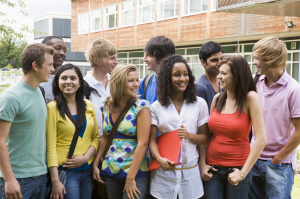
column 73, row 143
column 43, row 92
column 256, row 77
column 88, row 90
column 146, row 83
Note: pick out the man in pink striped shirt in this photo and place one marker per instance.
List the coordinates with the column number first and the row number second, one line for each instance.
column 279, row 93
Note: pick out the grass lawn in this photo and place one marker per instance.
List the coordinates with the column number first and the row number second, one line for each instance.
column 296, row 187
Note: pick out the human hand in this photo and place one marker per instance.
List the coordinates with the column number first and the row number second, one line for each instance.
column 131, row 189
column 204, row 171
column 58, row 190
column 234, row 178
column 165, row 164
column 275, row 161
column 13, row 189
column 74, row 162
column 96, row 175
column 183, row 133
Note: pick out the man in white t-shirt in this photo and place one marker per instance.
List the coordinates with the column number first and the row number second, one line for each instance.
column 59, row 57
column 102, row 55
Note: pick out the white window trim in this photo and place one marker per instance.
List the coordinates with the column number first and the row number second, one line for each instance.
column 191, row 14
column 173, row 17
column 92, row 18
column 79, row 27
column 105, row 15
column 211, row 8
column 120, row 17
column 138, row 12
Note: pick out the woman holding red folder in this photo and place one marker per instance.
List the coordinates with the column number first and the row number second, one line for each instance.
column 178, row 107
column 226, row 167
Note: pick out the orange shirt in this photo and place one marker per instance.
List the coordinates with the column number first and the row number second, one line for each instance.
column 229, row 146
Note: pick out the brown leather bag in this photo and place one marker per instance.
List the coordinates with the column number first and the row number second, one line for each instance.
column 101, row 188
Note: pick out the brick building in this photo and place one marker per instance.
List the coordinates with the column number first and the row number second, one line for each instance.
column 129, row 24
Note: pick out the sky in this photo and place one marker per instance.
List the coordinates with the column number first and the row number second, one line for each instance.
column 34, row 8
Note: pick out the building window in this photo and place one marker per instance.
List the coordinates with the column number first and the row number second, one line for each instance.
column 213, row 5
column 167, row 9
column 83, row 23
column 111, row 17
column 127, row 13
column 194, row 6
column 195, row 65
column 146, row 10
column 96, row 20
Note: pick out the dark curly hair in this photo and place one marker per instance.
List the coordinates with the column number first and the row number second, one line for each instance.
column 164, row 81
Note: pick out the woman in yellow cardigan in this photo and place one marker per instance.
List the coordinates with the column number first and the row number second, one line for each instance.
column 69, row 111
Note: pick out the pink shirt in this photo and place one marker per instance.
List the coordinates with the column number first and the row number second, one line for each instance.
column 280, row 103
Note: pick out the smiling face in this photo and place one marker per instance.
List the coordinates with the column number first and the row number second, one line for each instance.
column 60, row 50
column 46, row 69
column 212, row 63
column 261, row 66
column 226, row 77
column 132, row 84
column 111, row 63
column 69, row 82
column 151, row 63
column 180, row 77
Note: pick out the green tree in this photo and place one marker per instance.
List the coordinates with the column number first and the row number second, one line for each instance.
column 6, row 30
column 11, row 49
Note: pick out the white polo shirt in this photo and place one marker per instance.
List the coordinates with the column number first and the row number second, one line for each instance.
column 95, row 99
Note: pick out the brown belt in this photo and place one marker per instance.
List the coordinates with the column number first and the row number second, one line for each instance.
column 185, row 168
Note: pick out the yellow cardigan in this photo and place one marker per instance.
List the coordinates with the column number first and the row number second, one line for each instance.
column 60, row 133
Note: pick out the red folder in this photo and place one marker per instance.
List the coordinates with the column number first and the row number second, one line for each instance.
column 169, row 145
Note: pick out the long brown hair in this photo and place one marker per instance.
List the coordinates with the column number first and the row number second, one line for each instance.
column 242, row 78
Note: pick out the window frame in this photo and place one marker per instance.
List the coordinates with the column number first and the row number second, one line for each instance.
column 108, row 14
column 175, row 7
column 121, row 25
column 80, row 32
column 93, row 18
column 153, row 6
column 190, row 14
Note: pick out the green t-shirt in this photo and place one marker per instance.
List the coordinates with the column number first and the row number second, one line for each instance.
column 25, row 107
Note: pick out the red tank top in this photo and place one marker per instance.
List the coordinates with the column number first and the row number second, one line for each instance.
column 229, row 146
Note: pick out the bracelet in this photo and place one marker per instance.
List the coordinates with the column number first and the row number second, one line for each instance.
column 242, row 176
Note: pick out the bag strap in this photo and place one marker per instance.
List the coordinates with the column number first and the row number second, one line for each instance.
column 111, row 136
column 146, row 83
column 73, row 143
column 43, row 92
column 88, row 90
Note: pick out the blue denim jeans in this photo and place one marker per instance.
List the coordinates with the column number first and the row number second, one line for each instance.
column 115, row 188
column 218, row 187
column 271, row 182
column 79, row 184
column 33, row 187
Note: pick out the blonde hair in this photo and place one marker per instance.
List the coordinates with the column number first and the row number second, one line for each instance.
column 272, row 51
column 99, row 50
column 118, row 81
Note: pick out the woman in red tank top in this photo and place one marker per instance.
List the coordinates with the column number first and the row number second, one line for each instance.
column 227, row 160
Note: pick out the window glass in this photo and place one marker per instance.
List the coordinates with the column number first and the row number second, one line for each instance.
column 127, row 14
column 111, row 17
column 146, row 11
column 288, row 68
column 295, row 56
column 83, row 23
column 96, row 20
column 194, row 6
column 295, row 73
column 167, row 9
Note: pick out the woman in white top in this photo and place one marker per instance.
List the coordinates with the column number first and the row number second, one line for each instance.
column 178, row 107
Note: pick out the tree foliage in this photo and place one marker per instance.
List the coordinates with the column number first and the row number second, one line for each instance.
column 11, row 49
column 6, row 30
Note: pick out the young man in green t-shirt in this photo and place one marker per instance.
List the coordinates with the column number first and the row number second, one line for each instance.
column 23, row 116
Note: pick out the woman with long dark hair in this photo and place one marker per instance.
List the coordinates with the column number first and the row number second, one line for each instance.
column 226, row 163
column 69, row 112
column 178, row 107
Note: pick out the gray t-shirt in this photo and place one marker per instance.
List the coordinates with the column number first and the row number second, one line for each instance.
column 48, row 89
column 25, row 107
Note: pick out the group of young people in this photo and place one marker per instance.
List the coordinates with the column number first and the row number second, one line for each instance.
column 214, row 115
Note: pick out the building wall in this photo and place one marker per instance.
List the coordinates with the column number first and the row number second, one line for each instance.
column 211, row 25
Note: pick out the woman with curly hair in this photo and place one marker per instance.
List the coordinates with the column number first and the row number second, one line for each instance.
column 125, row 166
column 178, row 107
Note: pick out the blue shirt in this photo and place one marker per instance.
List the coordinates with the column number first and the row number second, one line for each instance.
column 205, row 90
column 151, row 95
